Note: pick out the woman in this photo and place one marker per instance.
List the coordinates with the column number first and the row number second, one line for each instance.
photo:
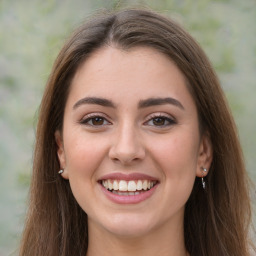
column 136, row 152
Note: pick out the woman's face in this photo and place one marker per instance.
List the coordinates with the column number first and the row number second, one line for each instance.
column 130, row 146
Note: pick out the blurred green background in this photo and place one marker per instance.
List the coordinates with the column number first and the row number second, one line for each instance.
column 31, row 34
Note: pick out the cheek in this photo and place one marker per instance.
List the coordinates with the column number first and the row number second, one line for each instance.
column 83, row 154
column 177, row 156
column 83, row 157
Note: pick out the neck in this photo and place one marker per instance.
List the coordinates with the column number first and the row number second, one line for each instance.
column 165, row 241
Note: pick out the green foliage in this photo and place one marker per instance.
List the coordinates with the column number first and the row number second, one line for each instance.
column 23, row 179
column 227, row 62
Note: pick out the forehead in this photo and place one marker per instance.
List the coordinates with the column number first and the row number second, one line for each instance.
column 140, row 72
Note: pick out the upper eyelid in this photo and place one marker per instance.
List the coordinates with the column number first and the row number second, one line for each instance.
column 169, row 118
column 148, row 117
column 88, row 117
column 160, row 114
column 95, row 114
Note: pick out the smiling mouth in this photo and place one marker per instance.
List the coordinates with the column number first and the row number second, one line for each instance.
column 128, row 188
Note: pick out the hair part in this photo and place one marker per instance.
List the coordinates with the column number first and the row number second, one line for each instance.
column 216, row 221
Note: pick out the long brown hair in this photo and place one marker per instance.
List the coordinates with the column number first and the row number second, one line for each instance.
column 216, row 221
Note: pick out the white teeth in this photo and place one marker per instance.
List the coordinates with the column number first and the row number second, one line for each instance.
column 131, row 185
column 128, row 186
column 115, row 185
column 123, row 185
column 139, row 185
column 145, row 185
column 110, row 185
column 105, row 184
column 125, row 193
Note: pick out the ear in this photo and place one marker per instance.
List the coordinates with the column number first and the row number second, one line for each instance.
column 61, row 154
column 205, row 155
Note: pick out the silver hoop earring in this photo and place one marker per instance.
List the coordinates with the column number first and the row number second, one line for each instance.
column 60, row 171
column 203, row 181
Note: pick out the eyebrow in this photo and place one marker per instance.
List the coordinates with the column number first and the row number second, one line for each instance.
column 95, row 101
column 142, row 103
column 160, row 101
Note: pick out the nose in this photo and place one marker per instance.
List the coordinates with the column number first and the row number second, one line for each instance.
column 127, row 147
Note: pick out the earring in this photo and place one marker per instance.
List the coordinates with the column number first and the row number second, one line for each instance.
column 203, row 182
column 60, row 171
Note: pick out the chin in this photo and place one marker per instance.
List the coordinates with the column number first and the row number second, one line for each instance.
column 129, row 226
column 129, row 231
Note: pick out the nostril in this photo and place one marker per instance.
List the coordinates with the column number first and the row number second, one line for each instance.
column 126, row 161
column 127, row 146
column 127, row 156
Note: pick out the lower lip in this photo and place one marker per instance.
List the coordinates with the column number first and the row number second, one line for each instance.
column 130, row 199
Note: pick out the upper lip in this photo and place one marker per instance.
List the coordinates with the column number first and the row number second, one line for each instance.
column 127, row 177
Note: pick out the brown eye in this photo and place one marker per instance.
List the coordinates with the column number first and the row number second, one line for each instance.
column 159, row 121
column 97, row 121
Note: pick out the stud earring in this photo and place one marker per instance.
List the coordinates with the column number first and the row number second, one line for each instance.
column 60, row 171
column 203, row 174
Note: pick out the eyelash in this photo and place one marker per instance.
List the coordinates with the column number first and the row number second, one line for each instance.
column 162, row 117
column 93, row 117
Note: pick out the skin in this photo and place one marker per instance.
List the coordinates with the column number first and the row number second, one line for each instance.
column 130, row 139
